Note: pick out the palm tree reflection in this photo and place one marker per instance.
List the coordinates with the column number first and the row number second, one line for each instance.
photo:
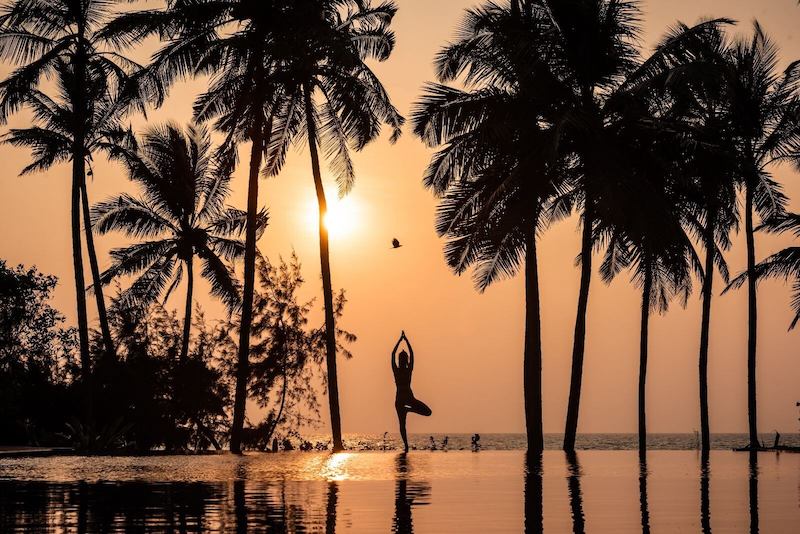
column 643, row 506
column 408, row 493
column 533, row 493
column 575, row 496
column 705, row 502
column 753, row 487
column 331, row 506
column 240, row 506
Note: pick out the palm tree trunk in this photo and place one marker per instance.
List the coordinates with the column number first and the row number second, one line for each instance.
column 78, row 182
column 327, row 290
column 533, row 349
column 102, row 315
column 579, row 342
column 243, row 364
column 643, row 341
column 752, row 319
column 80, row 284
column 705, row 327
column 187, row 316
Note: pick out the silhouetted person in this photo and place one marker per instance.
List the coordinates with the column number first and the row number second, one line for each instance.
column 444, row 443
column 433, row 443
column 476, row 442
column 404, row 401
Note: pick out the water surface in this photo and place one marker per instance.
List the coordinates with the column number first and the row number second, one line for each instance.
column 436, row 492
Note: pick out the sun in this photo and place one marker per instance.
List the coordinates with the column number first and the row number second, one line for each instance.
column 341, row 220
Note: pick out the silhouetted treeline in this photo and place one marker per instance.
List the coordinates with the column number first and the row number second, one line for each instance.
column 545, row 109
column 147, row 395
column 541, row 110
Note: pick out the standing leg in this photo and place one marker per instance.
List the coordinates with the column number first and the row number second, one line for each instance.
column 401, row 417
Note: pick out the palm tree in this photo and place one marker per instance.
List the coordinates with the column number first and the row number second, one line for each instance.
column 766, row 124
column 648, row 237
column 326, row 94
column 783, row 264
column 687, row 71
column 60, row 38
column 233, row 42
column 591, row 50
column 495, row 169
column 51, row 142
column 181, row 216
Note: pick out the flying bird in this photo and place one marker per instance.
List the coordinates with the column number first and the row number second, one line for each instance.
column 396, row 243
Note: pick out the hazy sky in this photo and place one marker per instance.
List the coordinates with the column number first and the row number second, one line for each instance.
column 468, row 345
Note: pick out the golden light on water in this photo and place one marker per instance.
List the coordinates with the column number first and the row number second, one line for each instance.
column 341, row 220
column 334, row 468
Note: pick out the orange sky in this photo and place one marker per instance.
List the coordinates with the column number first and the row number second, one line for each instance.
column 468, row 345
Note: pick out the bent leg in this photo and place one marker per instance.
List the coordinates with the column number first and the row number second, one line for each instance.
column 418, row 407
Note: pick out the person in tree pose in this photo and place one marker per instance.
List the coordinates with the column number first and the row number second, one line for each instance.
column 405, row 402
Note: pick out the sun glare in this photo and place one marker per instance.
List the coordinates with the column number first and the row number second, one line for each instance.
column 341, row 219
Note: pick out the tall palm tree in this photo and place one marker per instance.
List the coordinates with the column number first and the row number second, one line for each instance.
column 326, row 94
column 51, row 142
column 784, row 264
column 648, row 237
column 60, row 38
column 495, row 169
column 765, row 112
column 233, row 41
column 181, row 216
column 688, row 71
column 591, row 51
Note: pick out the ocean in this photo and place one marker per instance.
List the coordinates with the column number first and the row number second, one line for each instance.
column 510, row 442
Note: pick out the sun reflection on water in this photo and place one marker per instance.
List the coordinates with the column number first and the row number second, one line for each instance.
column 334, row 468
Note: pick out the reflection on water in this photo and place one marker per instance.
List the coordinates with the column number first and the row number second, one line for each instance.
column 534, row 518
column 419, row 492
column 753, row 491
column 644, row 509
column 575, row 495
column 330, row 508
column 408, row 494
column 705, row 487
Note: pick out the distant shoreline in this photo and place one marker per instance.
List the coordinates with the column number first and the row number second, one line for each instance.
column 459, row 441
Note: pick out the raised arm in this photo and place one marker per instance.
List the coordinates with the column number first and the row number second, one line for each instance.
column 410, row 353
column 394, row 353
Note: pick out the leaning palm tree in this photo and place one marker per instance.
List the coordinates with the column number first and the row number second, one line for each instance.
column 60, row 38
column 327, row 95
column 181, row 216
column 765, row 114
column 232, row 41
column 784, row 264
column 495, row 171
